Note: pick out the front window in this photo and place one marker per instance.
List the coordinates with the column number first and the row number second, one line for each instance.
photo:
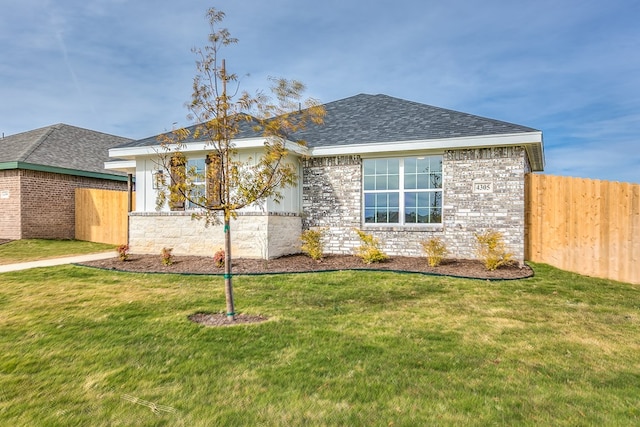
column 403, row 191
column 196, row 177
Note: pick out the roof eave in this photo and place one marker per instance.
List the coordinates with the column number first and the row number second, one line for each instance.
column 62, row 171
column 532, row 141
column 130, row 153
column 126, row 166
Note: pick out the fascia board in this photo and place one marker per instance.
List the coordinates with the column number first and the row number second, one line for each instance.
column 128, row 166
column 430, row 144
column 532, row 141
column 59, row 170
column 240, row 144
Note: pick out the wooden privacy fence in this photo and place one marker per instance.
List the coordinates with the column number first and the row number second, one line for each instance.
column 102, row 216
column 586, row 226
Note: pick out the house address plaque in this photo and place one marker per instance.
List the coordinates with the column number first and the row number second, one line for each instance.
column 483, row 187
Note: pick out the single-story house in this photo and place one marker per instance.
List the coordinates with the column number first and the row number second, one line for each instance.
column 39, row 172
column 400, row 170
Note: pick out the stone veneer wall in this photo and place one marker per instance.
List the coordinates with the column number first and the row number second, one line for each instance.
column 41, row 205
column 332, row 200
column 252, row 235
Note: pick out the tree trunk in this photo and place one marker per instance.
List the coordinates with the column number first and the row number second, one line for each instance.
column 228, row 285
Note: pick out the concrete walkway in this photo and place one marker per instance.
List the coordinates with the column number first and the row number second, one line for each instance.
column 56, row 261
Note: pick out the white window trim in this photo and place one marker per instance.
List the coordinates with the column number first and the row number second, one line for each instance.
column 401, row 225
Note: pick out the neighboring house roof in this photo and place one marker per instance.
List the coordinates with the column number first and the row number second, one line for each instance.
column 60, row 148
column 377, row 123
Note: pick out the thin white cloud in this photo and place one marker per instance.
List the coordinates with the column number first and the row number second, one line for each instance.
column 567, row 68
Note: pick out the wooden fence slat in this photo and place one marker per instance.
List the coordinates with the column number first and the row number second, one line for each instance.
column 634, row 276
column 101, row 216
column 588, row 226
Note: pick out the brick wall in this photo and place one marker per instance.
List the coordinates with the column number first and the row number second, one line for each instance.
column 332, row 200
column 467, row 212
column 44, row 203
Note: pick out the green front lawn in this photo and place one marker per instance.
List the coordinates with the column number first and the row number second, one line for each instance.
column 38, row 249
column 82, row 346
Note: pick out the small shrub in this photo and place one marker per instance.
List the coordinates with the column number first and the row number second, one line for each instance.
column 123, row 252
column 435, row 250
column 312, row 243
column 369, row 251
column 218, row 258
column 167, row 256
column 492, row 250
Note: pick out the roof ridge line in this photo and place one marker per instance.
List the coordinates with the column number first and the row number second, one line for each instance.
column 39, row 141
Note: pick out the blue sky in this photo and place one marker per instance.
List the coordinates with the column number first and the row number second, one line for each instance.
column 568, row 68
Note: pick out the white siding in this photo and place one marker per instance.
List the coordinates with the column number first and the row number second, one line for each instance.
column 146, row 195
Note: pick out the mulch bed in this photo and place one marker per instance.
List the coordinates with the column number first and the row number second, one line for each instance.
column 303, row 264
column 300, row 264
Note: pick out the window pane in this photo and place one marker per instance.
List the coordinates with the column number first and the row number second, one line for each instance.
column 423, row 200
column 381, row 182
column 410, row 181
column 394, row 199
column 410, row 215
column 436, row 199
column 393, row 167
column 394, row 182
column 369, row 200
column 196, row 166
column 369, row 183
column 436, row 164
column 195, row 197
column 410, row 199
column 436, row 215
column 410, row 165
column 422, row 165
column 423, row 181
column 435, row 181
column 381, row 167
column 369, row 167
column 369, row 215
column 423, row 215
column 382, row 200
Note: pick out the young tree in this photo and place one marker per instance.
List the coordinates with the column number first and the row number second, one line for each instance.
column 229, row 183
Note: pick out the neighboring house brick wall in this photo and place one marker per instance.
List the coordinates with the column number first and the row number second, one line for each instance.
column 332, row 200
column 47, row 203
column 9, row 204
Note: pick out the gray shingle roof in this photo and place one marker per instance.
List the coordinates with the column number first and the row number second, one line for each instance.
column 366, row 118
column 380, row 118
column 246, row 131
column 61, row 146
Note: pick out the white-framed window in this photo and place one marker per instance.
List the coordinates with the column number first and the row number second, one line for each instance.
column 402, row 190
column 196, row 176
column 200, row 177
